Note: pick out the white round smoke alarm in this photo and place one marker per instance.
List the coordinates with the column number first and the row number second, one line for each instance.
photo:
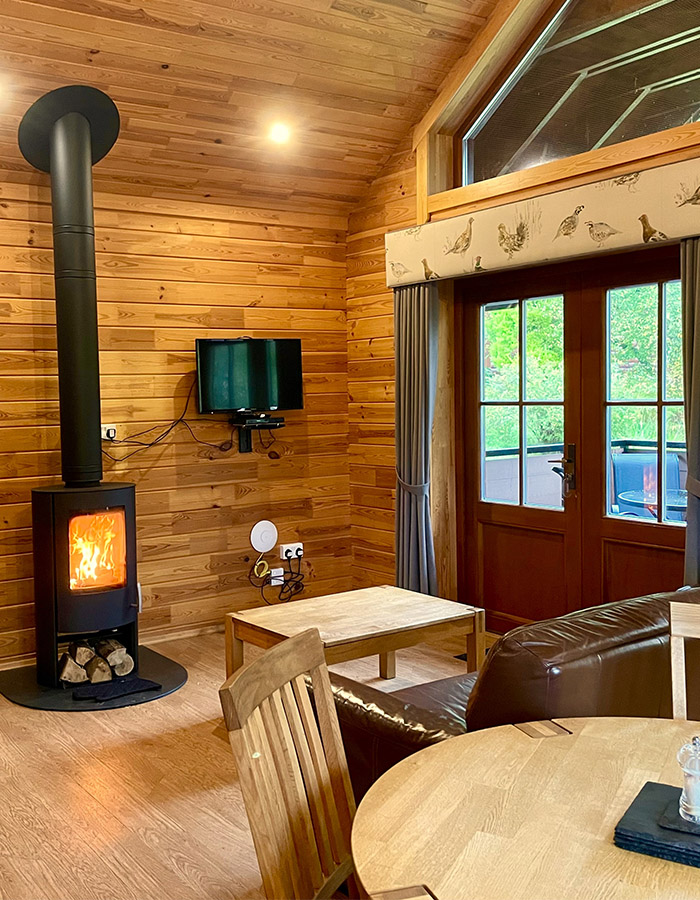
column 263, row 536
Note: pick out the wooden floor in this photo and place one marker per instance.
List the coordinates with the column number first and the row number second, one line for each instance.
column 142, row 802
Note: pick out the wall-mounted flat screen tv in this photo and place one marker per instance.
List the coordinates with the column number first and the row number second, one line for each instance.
column 249, row 375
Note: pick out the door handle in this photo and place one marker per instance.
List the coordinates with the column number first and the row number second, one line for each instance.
column 566, row 469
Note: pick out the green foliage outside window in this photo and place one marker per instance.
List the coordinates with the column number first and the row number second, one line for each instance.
column 633, row 359
column 543, row 375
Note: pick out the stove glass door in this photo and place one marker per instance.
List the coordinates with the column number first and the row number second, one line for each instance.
column 97, row 550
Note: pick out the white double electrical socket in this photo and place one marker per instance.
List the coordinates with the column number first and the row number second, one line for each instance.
column 291, row 551
column 108, row 432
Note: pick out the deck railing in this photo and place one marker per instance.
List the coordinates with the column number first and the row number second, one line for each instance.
column 627, row 446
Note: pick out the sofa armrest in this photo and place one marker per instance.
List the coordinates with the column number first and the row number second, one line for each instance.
column 379, row 730
column 609, row 660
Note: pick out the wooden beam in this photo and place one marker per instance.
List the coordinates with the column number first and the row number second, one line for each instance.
column 488, row 53
column 422, row 179
column 672, row 145
column 434, row 166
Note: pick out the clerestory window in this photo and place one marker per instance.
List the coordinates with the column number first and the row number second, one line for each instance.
column 603, row 72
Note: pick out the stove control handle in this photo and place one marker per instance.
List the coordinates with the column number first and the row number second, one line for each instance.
column 139, row 592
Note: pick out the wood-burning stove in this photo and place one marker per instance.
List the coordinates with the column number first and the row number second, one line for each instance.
column 84, row 531
column 84, row 569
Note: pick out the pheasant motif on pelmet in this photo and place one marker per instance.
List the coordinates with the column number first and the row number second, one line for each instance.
column 512, row 242
column 601, row 231
column 569, row 225
column 463, row 242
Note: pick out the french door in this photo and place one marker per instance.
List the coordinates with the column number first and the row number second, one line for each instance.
column 571, row 441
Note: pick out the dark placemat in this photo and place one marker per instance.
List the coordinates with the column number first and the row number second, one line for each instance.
column 639, row 829
column 660, row 852
column 672, row 818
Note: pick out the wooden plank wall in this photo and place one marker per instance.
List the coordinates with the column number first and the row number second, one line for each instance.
column 389, row 204
column 169, row 272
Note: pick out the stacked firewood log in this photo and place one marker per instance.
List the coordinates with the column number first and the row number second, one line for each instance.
column 85, row 662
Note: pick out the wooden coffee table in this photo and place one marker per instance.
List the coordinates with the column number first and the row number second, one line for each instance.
column 360, row 623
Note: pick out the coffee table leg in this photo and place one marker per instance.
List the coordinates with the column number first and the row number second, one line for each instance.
column 387, row 664
column 234, row 649
column 476, row 642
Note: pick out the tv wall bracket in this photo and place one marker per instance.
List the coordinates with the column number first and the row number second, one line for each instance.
column 249, row 422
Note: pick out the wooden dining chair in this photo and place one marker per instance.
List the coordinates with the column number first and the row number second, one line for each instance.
column 292, row 768
column 685, row 623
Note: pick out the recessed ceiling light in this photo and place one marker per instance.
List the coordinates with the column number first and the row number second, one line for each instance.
column 279, row 133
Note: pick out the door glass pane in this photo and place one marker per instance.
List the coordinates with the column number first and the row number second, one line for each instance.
column 500, row 464
column 633, row 454
column 544, row 427
column 500, row 360
column 544, row 348
column 633, row 342
column 673, row 324
column 675, row 496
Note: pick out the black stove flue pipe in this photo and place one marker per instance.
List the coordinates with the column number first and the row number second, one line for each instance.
column 64, row 133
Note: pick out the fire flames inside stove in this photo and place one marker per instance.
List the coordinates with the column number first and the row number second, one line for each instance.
column 97, row 547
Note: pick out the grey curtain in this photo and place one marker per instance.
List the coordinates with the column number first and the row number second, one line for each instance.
column 415, row 327
column 690, row 288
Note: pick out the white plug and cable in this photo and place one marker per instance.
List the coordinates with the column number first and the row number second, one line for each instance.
column 263, row 537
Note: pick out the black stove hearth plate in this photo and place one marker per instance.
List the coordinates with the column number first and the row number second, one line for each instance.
column 21, row 687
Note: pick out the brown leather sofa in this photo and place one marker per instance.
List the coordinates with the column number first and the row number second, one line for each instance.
column 610, row 660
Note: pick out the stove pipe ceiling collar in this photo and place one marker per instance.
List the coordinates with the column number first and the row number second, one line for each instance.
column 65, row 133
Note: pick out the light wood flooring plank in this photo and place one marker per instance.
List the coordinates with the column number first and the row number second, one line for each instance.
column 143, row 802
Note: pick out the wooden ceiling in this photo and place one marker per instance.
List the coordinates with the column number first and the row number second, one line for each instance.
column 198, row 83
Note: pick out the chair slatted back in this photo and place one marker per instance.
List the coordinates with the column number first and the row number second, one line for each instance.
column 292, row 768
column 685, row 623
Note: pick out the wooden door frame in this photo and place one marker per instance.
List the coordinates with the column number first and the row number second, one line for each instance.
column 568, row 277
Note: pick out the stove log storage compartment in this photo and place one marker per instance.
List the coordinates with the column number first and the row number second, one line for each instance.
column 84, row 532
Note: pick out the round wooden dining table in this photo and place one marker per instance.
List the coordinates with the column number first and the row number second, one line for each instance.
column 523, row 812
